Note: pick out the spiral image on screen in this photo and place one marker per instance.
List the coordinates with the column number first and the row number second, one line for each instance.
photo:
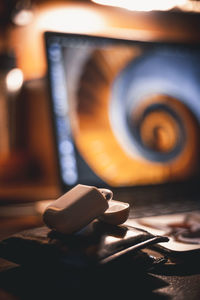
column 133, row 110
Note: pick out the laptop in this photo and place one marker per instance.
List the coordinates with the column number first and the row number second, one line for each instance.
column 126, row 116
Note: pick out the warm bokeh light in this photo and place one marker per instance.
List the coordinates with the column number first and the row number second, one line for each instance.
column 88, row 18
column 23, row 17
column 142, row 5
column 69, row 19
column 14, row 80
column 60, row 17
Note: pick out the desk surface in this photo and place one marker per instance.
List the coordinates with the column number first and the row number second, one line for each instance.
column 17, row 282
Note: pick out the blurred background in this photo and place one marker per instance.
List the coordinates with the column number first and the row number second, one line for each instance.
column 28, row 153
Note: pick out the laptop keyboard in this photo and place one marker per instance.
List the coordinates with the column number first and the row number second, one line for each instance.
column 160, row 200
column 163, row 209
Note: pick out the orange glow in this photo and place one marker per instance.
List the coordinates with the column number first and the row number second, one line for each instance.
column 159, row 131
column 28, row 41
column 143, row 5
column 71, row 17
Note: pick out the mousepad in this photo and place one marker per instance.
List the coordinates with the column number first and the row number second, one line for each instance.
column 182, row 229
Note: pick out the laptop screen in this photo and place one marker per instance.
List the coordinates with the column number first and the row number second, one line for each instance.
column 125, row 113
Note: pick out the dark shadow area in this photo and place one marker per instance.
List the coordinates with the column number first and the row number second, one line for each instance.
column 182, row 264
column 53, row 283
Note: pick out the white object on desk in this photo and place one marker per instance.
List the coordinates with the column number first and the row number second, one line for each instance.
column 81, row 205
